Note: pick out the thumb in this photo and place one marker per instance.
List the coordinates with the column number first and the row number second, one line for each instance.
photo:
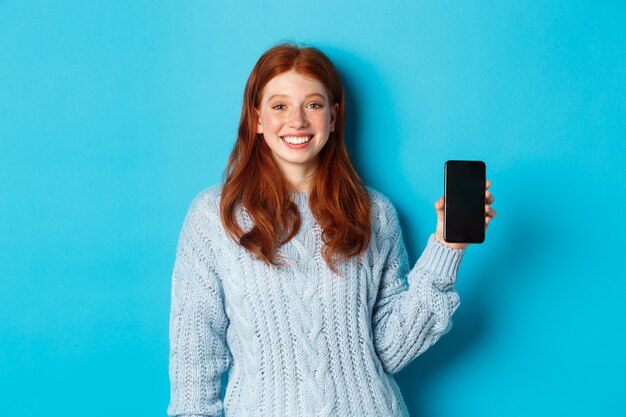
column 439, row 205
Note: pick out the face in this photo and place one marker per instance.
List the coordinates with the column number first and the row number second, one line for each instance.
column 295, row 118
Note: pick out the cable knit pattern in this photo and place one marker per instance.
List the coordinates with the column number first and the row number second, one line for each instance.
column 301, row 340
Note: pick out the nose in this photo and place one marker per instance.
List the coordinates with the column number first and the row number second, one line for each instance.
column 297, row 118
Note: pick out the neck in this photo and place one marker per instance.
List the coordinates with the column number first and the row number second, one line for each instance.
column 300, row 178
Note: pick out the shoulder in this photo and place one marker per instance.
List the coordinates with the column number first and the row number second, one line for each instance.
column 385, row 221
column 205, row 205
column 207, row 197
column 381, row 204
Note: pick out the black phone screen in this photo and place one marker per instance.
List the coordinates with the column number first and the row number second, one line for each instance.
column 464, row 191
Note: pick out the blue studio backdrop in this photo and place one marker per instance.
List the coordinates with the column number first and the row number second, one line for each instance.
column 114, row 115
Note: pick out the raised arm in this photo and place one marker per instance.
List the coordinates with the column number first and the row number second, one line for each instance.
column 413, row 308
column 198, row 350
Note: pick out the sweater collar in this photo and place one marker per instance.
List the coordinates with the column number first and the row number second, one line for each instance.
column 301, row 199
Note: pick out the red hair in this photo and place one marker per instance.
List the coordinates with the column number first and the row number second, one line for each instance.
column 339, row 200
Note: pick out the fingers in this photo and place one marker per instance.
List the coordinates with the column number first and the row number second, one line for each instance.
column 491, row 213
column 488, row 196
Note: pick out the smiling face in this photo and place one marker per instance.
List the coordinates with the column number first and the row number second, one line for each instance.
column 295, row 118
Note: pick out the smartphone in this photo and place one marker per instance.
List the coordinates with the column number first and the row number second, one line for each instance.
column 464, row 210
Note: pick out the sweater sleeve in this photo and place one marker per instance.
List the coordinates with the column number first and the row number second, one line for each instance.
column 199, row 354
column 413, row 308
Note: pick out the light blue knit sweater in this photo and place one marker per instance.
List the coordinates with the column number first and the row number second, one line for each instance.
column 301, row 341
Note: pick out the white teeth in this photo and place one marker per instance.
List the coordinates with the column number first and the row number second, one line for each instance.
column 296, row 140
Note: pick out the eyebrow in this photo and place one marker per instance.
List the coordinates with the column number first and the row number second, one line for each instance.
column 285, row 95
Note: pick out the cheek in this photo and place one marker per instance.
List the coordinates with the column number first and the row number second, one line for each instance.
column 272, row 122
column 321, row 120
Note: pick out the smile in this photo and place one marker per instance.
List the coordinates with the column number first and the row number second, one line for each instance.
column 296, row 140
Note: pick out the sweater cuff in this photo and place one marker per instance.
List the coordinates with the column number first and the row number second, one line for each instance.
column 194, row 415
column 439, row 258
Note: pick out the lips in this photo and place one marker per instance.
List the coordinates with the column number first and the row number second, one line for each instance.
column 296, row 139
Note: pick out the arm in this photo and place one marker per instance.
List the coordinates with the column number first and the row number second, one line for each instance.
column 413, row 308
column 198, row 350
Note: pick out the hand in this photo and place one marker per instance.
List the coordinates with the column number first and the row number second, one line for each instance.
column 439, row 206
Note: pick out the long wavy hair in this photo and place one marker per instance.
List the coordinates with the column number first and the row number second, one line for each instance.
column 338, row 200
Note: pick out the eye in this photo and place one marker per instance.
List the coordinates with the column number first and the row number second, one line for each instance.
column 315, row 105
column 278, row 107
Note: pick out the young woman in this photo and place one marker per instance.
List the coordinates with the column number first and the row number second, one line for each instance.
column 292, row 274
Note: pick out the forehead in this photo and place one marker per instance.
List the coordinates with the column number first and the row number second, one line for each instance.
column 293, row 84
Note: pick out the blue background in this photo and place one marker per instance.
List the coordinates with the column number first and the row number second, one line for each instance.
column 114, row 115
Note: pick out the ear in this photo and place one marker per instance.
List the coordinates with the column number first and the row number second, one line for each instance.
column 333, row 116
column 259, row 126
